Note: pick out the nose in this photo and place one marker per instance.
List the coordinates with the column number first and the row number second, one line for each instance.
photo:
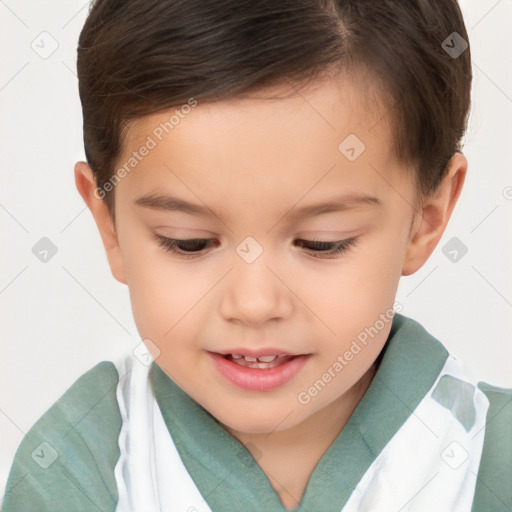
column 254, row 293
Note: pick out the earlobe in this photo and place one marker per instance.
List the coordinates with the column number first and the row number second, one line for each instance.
column 433, row 217
column 86, row 186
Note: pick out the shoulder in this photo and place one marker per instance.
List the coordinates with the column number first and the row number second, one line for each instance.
column 494, row 480
column 66, row 461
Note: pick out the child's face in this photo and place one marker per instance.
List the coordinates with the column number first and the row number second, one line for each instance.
column 254, row 163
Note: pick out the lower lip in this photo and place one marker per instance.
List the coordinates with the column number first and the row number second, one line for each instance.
column 257, row 379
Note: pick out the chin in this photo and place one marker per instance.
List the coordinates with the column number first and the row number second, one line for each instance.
column 257, row 422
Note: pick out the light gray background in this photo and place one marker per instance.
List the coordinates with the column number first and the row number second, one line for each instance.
column 58, row 319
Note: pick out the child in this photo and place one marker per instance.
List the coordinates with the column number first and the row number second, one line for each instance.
column 261, row 174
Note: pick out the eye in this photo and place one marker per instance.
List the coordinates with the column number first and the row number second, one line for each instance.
column 190, row 247
column 186, row 248
column 328, row 248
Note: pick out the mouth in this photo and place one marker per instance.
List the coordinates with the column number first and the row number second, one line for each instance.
column 262, row 362
column 263, row 372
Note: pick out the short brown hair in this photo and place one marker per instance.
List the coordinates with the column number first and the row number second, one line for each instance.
column 138, row 57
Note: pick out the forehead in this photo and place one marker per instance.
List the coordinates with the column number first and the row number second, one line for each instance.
column 279, row 138
column 336, row 102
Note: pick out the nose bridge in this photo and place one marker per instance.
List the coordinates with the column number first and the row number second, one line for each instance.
column 253, row 293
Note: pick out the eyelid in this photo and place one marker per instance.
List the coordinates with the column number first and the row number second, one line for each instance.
column 339, row 247
column 168, row 244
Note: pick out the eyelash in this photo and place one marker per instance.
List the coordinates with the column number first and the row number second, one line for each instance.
column 337, row 247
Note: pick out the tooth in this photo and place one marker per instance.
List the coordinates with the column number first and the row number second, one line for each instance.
column 236, row 356
column 266, row 359
column 251, row 359
column 263, row 365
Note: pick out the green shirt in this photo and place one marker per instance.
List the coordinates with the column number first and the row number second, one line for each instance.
column 66, row 461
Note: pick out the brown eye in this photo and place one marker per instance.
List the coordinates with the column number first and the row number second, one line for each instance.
column 186, row 248
column 192, row 247
column 328, row 248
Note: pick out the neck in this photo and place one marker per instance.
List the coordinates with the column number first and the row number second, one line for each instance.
column 288, row 457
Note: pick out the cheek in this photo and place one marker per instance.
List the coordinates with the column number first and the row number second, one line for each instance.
column 359, row 308
column 353, row 293
column 160, row 294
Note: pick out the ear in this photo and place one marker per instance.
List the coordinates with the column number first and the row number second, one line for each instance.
column 434, row 214
column 86, row 185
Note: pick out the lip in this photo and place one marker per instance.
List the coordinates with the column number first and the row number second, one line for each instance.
column 257, row 379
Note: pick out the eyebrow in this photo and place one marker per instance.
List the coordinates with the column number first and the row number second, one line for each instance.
column 336, row 204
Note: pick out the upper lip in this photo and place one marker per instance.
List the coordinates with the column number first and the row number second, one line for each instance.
column 262, row 352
